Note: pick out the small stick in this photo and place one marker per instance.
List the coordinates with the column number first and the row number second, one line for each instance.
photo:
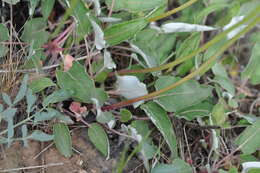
column 47, row 67
column 32, row 167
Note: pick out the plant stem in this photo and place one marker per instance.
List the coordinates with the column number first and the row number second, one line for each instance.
column 202, row 69
column 191, row 55
column 173, row 11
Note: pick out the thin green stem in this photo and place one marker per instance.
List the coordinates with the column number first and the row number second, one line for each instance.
column 173, row 11
column 202, row 69
column 191, row 55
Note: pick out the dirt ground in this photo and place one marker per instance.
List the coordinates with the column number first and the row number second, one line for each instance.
column 44, row 158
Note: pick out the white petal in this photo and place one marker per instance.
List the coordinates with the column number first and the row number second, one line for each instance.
column 184, row 27
column 234, row 21
column 249, row 165
column 130, row 87
column 108, row 61
column 100, row 42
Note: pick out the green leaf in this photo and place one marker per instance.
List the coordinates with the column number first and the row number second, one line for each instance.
column 161, row 120
column 219, row 70
column 34, row 32
column 155, row 45
column 219, row 113
column 78, row 81
column 148, row 148
column 185, row 48
column 188, row 94
column 46, row 7
column 225, row 83
column 22, row 90
column 178, row 166
column 135, row 5
column 99, row 138
column 4, row 33
column 120, row 32
column 105, row 117
column 80, row 12
column 252, row 70
column 199, row 110
column 40, row 84
column 215, row 6
column 41, row 136
column 57, row 96
column 249, row 139
column 35, row 58
column 62, row 139
column 3, row 50
column 125, row 115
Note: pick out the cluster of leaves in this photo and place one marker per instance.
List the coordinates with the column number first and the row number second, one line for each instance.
column 151, row 48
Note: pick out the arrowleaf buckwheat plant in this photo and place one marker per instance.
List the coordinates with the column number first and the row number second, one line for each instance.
column 154, row 86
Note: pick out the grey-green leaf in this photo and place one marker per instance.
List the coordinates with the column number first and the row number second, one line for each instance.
column 24, row 135
column 22, row 90
column 40, row 136
column 7, row 99
column 178, row 166
column 249, row 139
column 50, row 114
column 62, row 139
column 188, row 94
column 99, row 138
column 161, row 120
column 8, row 116
column 40, row 84
column 123, row 31
column 30, row 100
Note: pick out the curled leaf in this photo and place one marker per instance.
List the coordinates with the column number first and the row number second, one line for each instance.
column 130, row 87
column 100, row 42
column 250, row 165
column 234, row 21
column 108, row 61
column 183, row 27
